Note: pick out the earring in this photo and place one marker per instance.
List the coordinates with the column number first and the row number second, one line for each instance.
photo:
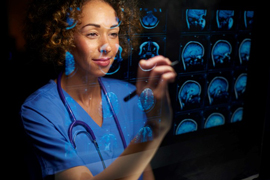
column 69, row 63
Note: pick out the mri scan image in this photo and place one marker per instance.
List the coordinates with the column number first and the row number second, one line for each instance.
column 148, row 49
column 221, row 52
column 145, row 134
column 215, row 119
column 237, row 115
column 189, row 94
column 192, row 54
column 185, row 126
column 195, row 18
column 240, row 85
column 248, row 18
column 149, row 20
column 244, row 50
column 116, row 63
column 108, row 142
column 218, row 90
column 146, row 100
column 224, row 19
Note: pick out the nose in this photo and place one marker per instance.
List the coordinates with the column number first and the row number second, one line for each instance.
column 105, row 46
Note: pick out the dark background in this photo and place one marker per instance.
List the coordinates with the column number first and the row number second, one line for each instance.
column 231, row 151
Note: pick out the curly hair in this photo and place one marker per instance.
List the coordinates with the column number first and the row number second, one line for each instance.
column 46, row 28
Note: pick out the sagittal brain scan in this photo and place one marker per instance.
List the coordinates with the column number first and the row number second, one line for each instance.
column 148, row 49
column 237, row 115
column 221, row 52
column 215, row 119
column 192, row 54
column 248, row 18
column 224, row 19
column 185, row 126
column 218, row 90
column 149, row 20
column 189, row 94
column 240, row 85
column 244, row 50
column 195, row 18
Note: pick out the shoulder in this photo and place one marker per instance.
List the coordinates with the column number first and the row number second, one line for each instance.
column 44, row 99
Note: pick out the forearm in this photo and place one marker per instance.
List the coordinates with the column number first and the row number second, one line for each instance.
column 132, row 162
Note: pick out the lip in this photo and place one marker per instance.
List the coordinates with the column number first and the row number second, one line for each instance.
column 102, row 61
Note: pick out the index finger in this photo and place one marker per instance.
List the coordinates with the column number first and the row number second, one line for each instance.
column 154, row 61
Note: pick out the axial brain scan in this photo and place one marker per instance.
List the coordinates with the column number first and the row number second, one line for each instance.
column 189, row 93
column 146, row 100
column 244, row 50
column 148, row 49
column 237, row 115
column 215, row 119
column 221, row 52
column 240, row 85
column 192, row 54
column 224, row 19
column 149, row 21
column 218, row 89
column 187, row 125
column 195, row 18
column 145, row 134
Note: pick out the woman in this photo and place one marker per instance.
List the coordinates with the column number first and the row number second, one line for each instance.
column 84, row 35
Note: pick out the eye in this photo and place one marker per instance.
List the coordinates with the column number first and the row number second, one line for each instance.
column 92, row 35
column 114, row 35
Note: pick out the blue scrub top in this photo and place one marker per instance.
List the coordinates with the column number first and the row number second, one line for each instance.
column 46, row 121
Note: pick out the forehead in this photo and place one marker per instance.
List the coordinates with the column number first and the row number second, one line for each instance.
column 98, row 12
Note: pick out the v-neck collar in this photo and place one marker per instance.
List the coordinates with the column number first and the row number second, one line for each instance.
column 81, row 114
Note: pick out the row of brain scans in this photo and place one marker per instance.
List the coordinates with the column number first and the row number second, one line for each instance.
column 198, row 19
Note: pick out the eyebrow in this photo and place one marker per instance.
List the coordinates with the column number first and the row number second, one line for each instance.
column 98, row 26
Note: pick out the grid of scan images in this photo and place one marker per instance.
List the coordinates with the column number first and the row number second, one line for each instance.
column 214, row 50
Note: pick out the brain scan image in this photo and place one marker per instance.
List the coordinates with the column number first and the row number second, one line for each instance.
column 240, row 85
column 195, row 18
column 237, row 115
column 107, row 142
column 218, row 89
column 221, row 52
column 248, row 18
column 244, row 50
column 215, row 119
column 192, row 54
column 116, row 63
column 224, row 19
column 148, row 49
column 189, row 94
column 146, row 100
column 149, row 20
column 185, row 126
column 145, row 134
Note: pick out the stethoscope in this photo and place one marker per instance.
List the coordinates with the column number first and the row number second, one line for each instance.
column 76, row 122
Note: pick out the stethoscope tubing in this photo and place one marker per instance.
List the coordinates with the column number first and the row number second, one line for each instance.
column 76, row 122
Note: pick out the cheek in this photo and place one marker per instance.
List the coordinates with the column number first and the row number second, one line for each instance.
column 85, row 49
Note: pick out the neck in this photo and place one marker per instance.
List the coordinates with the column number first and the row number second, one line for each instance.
column 82, row 87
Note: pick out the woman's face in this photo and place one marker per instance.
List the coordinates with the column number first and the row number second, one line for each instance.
column 96, row 39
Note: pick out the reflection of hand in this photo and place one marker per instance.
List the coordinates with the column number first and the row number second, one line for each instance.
column 157, row 80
